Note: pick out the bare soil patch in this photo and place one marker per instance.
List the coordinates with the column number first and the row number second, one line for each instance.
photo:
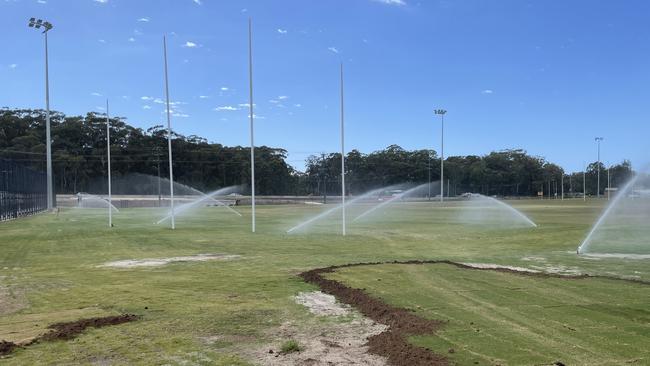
column 322, row 304
column 329, row 343
column 156, row 262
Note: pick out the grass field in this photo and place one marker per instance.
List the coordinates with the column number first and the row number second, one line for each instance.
column 219, row 312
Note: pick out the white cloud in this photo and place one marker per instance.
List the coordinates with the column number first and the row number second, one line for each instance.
column 101, row 41
column 487, row 91
column 298, row 105
column 255, row 116
column 226, row 108
column 198, row 2
column 144, row 19
column 41, row 1
column 274, row 101
column 159, row 101
column 391, row 2
column 146, row 107
column 190, row 44
column 137, row 32
column 182, row 115
column 146, row 98
column 224, row 88
column 131, row 39
column 13, row 66
column 246, row 105
column 333, row 49
column 283, row 97
column 282, row 31
column 203, row 97
column 101, row 1
column 95, row 94
column 244, row 10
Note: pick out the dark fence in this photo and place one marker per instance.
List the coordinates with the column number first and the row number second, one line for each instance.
column 23, row 191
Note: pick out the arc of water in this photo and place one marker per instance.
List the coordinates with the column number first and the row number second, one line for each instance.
column 100, row 199
column 385, row 203
column 608, row 210
column 333, row 209
column 511, row 209
column 204, row 197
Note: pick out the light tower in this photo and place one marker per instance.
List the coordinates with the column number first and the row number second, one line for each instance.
column 598, row 141
column 441, row 113
column 47, row 26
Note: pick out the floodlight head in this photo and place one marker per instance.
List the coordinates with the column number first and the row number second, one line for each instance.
column 440, row 111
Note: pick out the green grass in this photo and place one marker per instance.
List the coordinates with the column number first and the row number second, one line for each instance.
column 504, row 318
column 210, row 312
column 290, row 346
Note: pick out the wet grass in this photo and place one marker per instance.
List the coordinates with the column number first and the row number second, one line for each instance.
column 207, row 312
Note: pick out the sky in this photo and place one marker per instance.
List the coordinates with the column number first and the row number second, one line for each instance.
column 544, row 76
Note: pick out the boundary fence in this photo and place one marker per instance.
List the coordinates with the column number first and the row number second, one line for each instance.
column 23, row 191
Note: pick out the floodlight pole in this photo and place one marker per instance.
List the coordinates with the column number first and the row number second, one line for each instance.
column 442, row 112
column 584, row 183
column 342, row 156
column 562, row 186
column 37, row 24
column 252, row 117
column 609, row 187
column 598, row 140
column 169, row 137
column 108, row 152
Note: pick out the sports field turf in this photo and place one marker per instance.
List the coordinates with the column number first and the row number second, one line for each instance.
column 222, row 311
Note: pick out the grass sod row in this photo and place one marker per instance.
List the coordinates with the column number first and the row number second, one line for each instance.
column 509, row 319
column 211, row 312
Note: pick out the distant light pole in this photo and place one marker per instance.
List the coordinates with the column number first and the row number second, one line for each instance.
column 562, row 186
column 342, row 156
column 169, row 137
column 252, row 117
column 584, row 182
column 108, row 152
column 441, row 113
column 609, row 187
column 429, row 168
column 598, row 141
column 37, row 24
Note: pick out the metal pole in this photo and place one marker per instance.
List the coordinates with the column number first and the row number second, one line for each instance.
column 598, row 140
column 429, row 167
column 584, row 184
column 609, row 187
column 342, row 156
column 169, row 138
column 48, row 144
column 442, row 158
column 108, row 152
column 252, row 125
column 562, row 183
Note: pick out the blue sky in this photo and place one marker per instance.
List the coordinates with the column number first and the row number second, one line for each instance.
column 545, row 76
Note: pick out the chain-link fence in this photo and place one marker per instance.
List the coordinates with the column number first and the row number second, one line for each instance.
column 23, row 191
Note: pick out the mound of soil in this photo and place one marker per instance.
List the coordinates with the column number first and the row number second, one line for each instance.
column 69, row 330
column 6, row 347
column 402, row 323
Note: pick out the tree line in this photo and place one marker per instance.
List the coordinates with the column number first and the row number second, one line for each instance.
column 79, row 159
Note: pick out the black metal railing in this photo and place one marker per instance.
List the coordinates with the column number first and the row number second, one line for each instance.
column 23, row 190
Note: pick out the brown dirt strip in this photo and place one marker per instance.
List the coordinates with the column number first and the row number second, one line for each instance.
column 403, row 323
column 69, row 330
